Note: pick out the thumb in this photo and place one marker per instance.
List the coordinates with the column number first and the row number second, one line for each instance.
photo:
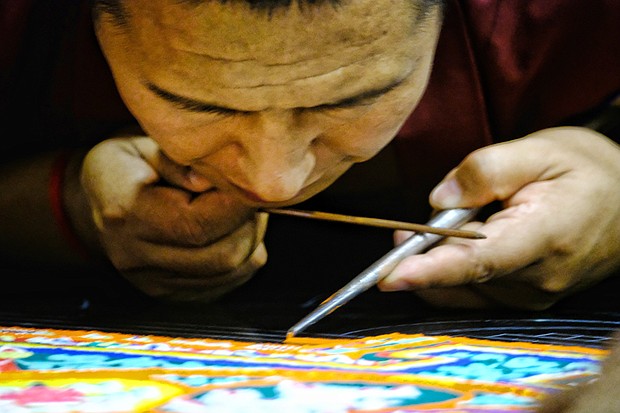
column 494, row 173
column 112, row 174
column 175, row 174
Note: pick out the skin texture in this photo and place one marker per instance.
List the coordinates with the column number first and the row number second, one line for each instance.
column 557, row 233
column 234, row 124
column 242, row 110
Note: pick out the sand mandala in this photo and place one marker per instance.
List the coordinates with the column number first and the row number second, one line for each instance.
column 44, row 370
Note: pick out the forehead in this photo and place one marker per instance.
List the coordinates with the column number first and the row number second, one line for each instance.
column 207, row 47
column 233, row 29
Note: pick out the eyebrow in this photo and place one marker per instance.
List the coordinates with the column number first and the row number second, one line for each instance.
column 193, row 105
column 189, row 104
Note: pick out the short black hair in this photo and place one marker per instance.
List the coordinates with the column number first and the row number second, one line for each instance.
column 120, row 16
column 112, row 8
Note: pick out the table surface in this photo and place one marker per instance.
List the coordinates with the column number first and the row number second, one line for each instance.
column 302, row 271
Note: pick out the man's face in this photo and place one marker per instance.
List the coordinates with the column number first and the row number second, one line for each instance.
column 270, row 109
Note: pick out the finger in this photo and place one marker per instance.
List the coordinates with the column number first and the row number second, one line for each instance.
column 526, row 282
column 226, row 254
column 171, row 172
column 168, row 285
column 509, row 246
column 114, row 192
column 497, row 172
column 169, row 216
column 262, row 219
column 512, row 291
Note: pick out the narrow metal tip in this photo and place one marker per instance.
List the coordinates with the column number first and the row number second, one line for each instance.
column 296, row 329
column 290, row 335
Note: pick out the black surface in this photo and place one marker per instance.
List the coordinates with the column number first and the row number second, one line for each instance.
column 308, row 262
column 556, row 330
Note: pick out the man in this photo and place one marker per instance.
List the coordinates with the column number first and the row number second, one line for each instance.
column 246, row 105
column 241, row 109
column 274, row 122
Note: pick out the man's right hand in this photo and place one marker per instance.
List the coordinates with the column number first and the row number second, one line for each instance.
column 169, row 232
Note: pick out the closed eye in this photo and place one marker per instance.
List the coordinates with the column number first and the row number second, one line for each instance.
column 346, row 104
column 192, row 105
column 363, row 99
column 366, row 98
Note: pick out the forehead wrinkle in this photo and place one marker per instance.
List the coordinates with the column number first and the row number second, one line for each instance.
column 203, row 33
column 228, row 74
column 227, row 80
column 177, row 49
column 279, row 59
column 294, row 91
column 294, row 75
column 177, row 59
column 334, row 72
column 223, row 74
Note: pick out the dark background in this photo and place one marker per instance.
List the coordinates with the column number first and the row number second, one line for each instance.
column 308, row 261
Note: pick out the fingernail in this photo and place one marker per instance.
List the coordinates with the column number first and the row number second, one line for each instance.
column 447, row 194
column 199, row 182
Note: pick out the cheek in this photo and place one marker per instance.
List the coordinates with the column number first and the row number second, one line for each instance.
column 176, row 135
column 184, row 144
column 181, row 138
column 365, row 137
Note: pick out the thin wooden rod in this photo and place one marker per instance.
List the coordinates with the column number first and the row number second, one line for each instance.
column 376, row 222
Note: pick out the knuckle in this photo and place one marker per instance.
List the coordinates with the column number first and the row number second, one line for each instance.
column 199, row 230
column 482, row 161
column 259, row 257
column 195, row 233
column 477, row 158
column 234, row 254
column 226, row 262
column 231, row 253
column 554, row 284
column 477, row 169
column 563, row 246
column 557, row 278
column 481, row 272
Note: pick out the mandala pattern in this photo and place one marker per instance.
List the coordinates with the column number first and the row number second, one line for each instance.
column 44, row 370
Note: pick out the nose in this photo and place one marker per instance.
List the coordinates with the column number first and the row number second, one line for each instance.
column 276, row 156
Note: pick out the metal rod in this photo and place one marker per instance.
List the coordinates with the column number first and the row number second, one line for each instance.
column 416, row 244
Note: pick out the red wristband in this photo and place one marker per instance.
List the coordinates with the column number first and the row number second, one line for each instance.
column 56, row 185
